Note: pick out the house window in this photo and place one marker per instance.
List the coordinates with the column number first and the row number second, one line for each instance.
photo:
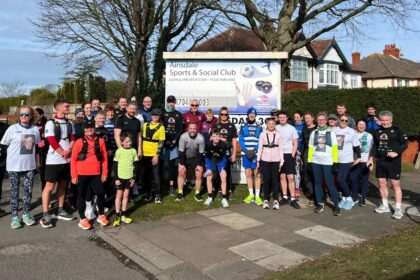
column 353, row 81
column 399, row 83
column 407, row 83
column 328, row 74
column 299, row 70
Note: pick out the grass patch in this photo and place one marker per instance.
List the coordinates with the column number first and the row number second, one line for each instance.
column 395, row 256
column 142, row 210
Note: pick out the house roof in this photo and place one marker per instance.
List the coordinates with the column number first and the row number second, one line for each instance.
column 385, row 66
column 320, row 47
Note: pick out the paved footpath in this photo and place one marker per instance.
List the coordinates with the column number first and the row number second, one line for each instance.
column 246, row 241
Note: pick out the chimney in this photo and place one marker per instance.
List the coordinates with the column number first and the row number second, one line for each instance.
column 355, row 57
column 392, row 50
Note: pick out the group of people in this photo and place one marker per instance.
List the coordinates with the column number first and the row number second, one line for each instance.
column 120, row 150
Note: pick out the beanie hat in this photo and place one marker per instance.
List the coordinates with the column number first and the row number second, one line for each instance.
column 251, row 110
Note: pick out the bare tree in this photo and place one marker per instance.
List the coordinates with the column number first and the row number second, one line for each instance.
column 128, row 33
column 12, row 89
column 277, row 23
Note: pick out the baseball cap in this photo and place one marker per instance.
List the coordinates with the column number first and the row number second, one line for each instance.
column 155, row 112
column 171, row 99
column 332, row 116
column 78, row 110
column 89, row 124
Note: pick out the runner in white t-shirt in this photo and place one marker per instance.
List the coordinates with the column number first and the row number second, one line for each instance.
column 287, row 172
column 59, row 133
column 348, row 145
column 21, row 139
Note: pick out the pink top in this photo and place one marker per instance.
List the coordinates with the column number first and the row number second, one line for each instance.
column 270, row 154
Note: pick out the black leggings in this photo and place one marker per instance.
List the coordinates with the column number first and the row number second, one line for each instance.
column 172, row 170
column 95, row 183
column 270, row 172
column 151, row 176
column 2, row 173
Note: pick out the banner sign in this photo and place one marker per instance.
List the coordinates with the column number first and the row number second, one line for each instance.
column 235, row 84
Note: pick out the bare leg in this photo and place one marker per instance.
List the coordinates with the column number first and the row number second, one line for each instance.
column 46, row 195
column 257, row 176
column 283, row 182
column 209, row 179
column 118, row 198
column 125, row 199
column 291, row 180
column 198, row 178
column 61, row 192
column 383, row 188
column 181, row 177
column 223, row 176
column 397, row 190
column 249, row 179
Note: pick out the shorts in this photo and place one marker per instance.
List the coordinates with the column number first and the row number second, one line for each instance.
column 193, row 162
column 125, row 185
column 220, row 165
column 390, row 169
column 289, row 165
column 246, row 163
column 57, row 172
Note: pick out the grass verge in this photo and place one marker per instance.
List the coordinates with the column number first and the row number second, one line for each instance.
column 395, row 256
column 142, row 210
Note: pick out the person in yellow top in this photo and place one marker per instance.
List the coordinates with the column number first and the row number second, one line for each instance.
column 153, row 135
column 323, row 160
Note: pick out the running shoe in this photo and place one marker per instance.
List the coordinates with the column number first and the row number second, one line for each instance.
column 198, row 197
column 63, row 215
column 46, row 221
column 362, row 202
column 117, row 222
column 209, row 201
column 126, row 219
column 266, row 204
column 28, row 220
column 16, row 222
column 258, row 201
column 276, row 205
column 398, row 214
column 342, row 203
column 103, row 220
column 319, row 208
column 336, row 211
column 283, row 201
column 225, row 203
column 179, row 197
column 348, row 204
column 250, row 198
column 382, row 209
column 158, row 200
column 294, row 204
column 172, row 191
column 85, row 224
column 148, row 197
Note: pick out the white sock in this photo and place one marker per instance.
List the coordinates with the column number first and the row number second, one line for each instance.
column 292, row 198
column 285, row 196
column 385, row 202
column 251, row 191
column 257, row 193
column 398, row 206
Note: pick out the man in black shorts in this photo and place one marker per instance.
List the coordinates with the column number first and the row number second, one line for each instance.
column 59, row 133
column 389, row 144
column 191, row 157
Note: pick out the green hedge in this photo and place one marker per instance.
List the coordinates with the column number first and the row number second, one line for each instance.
column 7, row 102
column 403, row 102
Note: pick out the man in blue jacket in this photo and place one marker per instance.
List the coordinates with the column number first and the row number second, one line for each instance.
column 248, row 139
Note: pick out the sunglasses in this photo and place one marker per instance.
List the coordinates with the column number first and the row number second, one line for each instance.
column 24, row 114
column 344, row 120
column 194, row 105
column 224, row 115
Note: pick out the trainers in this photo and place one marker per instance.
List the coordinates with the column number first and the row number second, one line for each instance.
column 336, row 211
column 103, row 220
column 158, row 200
column 319, row 208
column 283, row 201
column 117, row 222
column 225, row 203
column 209, row 201
column 348, row 204
column 294, row 204
column 266, row 204
column 250, row 198
column 85, row 224
column 28, row 220
column 398, row 214
column 342, row 203
column 126, row 219
column 148, row 197
column 16, row 222
column 172, row 191
column 198, row 197
column 63, row 215
column 356, row 200
column 258, row 201
column 179, row 197
column 46, row 221
column 276, row 205
column 362, row 202
column 382, row 209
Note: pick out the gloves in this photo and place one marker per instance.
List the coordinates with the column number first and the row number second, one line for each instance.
column 250, row 154
column 335, row 168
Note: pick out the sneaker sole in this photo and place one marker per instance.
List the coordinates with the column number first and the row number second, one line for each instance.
column 29, row 224
column 80, row 226
column 46, row 226
column 198, row 200
column 65, row 218
column 397, row 218
column 382, row 212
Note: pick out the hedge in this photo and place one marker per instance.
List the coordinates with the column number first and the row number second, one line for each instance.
column 403, row 102
column 7, row 102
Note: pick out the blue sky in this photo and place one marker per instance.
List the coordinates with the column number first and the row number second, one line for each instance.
column 22, row 56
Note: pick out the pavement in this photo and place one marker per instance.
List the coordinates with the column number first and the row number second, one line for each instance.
column 241, row 242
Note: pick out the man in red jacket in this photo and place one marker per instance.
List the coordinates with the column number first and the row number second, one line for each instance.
column 194, row 116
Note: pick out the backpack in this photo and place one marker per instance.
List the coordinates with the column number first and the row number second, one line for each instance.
column 83, row 152
column 57, row 129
